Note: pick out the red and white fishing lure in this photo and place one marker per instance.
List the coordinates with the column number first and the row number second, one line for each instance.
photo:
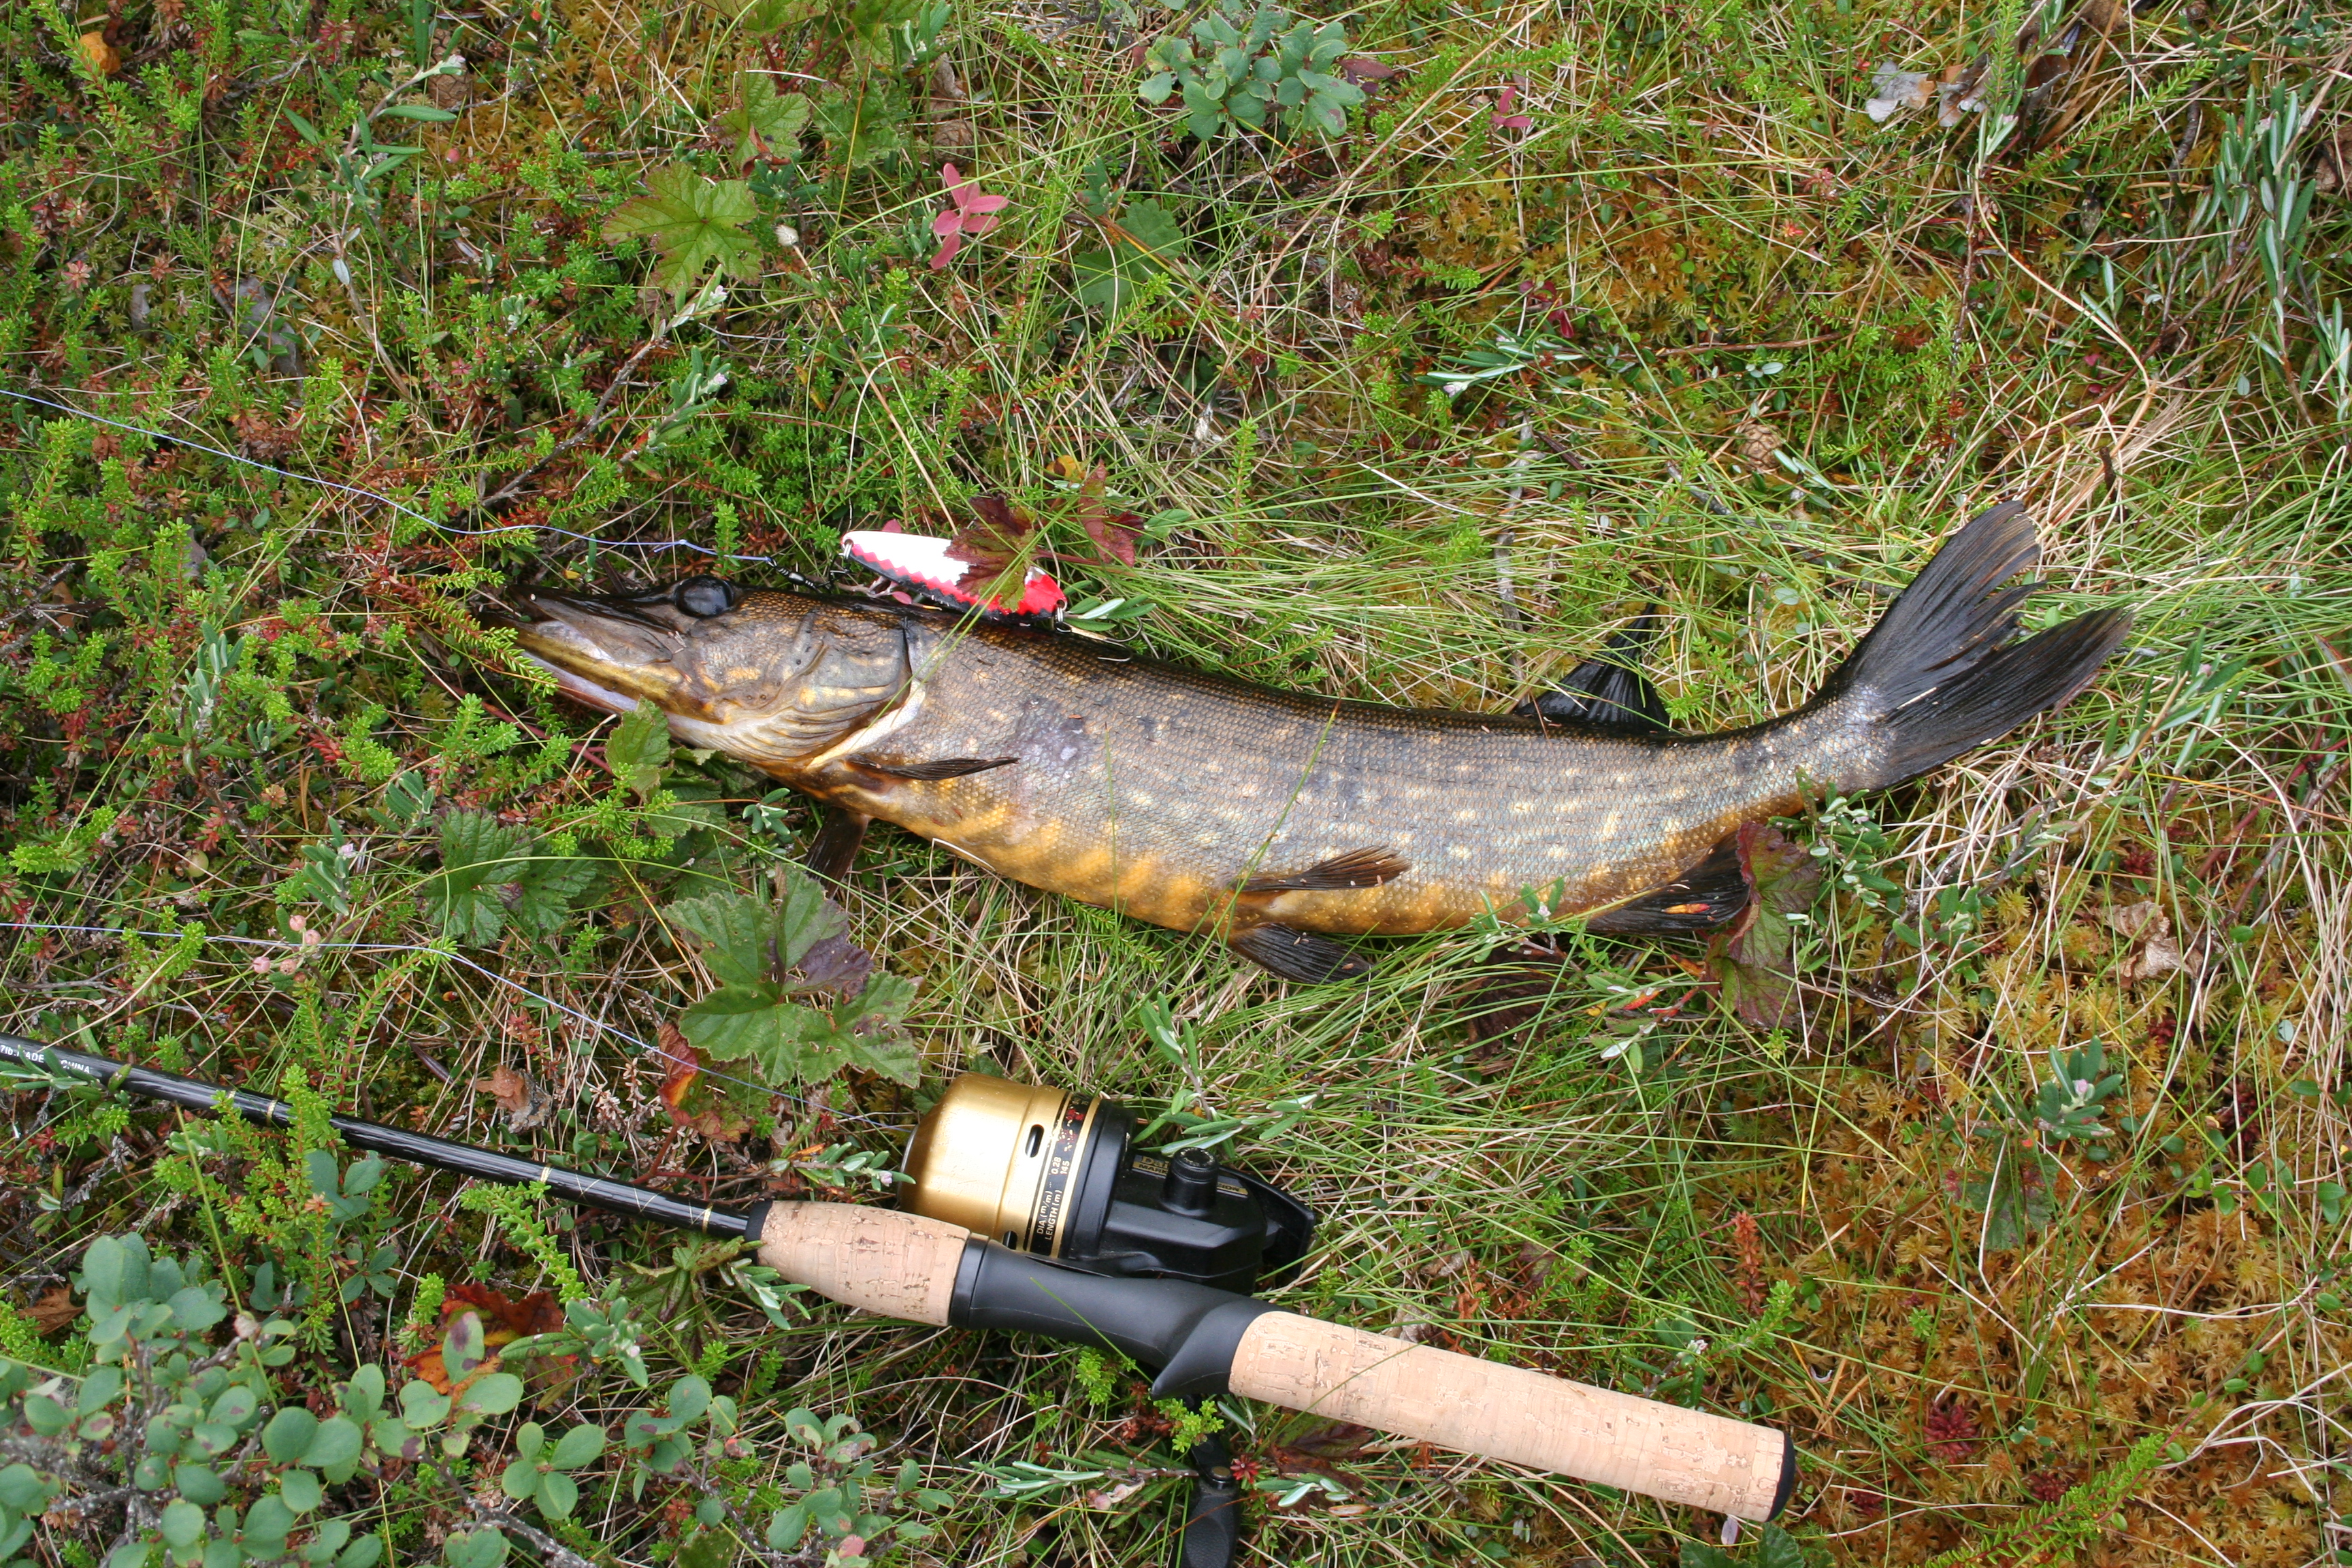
column 927, row 567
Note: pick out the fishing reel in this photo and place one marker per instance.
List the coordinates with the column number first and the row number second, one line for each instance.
column 1049, row 1173
column 1055, row 1177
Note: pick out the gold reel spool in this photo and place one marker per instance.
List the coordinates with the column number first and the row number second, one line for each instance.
column 1000, row 1159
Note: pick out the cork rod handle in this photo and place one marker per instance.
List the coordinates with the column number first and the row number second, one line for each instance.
column 899, row 1265
column 1512, row 1413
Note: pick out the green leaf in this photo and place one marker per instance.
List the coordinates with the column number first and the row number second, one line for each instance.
column 337, row 1443
column 753, row 942
column 183, row 1523
column 579, row 1446
column 494, row 1394
column 520, row 1480
column 768, row 124
column 689, row 1398
column 791, row 1042
column 363, row 1395
column 301, row 1490
column 1778, row 1549
column 529, row 1438
column 770, row 15
column 474, row 1549
column 115, row 1270
column 558, row 1493
column 693, row 222
column 861, row 125
column 463, row 1351
column 638, row 750
column 792, row 1522
column 268, row 1524
column 364, row 1552
column 288, row 1434
column 199, row 1483
column 491, row 874
column 196, row 1308
column 21, row 1489
column 236, row 1407
column 424, row 112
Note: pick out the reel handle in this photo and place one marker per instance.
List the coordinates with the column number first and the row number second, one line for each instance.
column 903, row 1266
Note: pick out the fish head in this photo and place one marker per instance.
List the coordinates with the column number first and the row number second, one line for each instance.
column 764, row 675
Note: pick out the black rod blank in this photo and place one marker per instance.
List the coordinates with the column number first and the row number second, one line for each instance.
column 416, row 1147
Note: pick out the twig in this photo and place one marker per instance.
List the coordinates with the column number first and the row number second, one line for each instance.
column 513, row 486
column 558, row 1554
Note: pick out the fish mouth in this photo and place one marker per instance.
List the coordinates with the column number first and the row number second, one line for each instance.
column 610, row 653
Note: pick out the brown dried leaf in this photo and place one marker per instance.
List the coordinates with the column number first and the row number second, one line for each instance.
column 2157, row 952
column 53, row 1312
column 505, row 1319
column 525, row 1102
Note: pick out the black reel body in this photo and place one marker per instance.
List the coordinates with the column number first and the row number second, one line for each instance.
column 1049, row 1173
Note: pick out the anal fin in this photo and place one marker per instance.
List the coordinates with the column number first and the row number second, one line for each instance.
column 1300, row 955
column 1708, row 894
column 836, row 845
column 1608, row 691
column 1366, row 867
column 946, row 768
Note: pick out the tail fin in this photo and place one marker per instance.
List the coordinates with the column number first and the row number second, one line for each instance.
column 1935, row 673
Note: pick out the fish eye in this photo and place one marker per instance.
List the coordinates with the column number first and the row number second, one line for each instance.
column 703, row 597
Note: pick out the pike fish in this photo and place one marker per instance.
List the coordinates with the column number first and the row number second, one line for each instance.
column 1277, row 821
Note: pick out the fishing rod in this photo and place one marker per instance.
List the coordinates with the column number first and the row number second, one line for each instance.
column 1030, row 1210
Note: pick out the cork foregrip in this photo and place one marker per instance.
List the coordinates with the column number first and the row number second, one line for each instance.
column 899, row 1265
column 1511, row 1414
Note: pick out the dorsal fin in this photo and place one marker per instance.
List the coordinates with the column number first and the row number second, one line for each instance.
column 1609, row 690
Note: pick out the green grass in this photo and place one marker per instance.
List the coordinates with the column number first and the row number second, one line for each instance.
column 208, row 667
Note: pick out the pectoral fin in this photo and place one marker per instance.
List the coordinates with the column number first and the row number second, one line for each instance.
column 1366, row 867
column 1708, row 894
column 946, row 768
column 1298, row 955
column 836, row 843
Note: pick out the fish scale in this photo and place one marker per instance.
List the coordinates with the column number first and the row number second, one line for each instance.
column 1276, row 819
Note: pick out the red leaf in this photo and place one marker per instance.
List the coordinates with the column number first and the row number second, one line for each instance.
column 992, row 544
column 682, row 1062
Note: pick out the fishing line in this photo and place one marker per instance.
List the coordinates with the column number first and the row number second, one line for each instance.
column 454, row 958
column 657, row 546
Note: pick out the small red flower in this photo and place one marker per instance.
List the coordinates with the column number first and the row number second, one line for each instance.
column 1503, row 118
column 968, row 213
